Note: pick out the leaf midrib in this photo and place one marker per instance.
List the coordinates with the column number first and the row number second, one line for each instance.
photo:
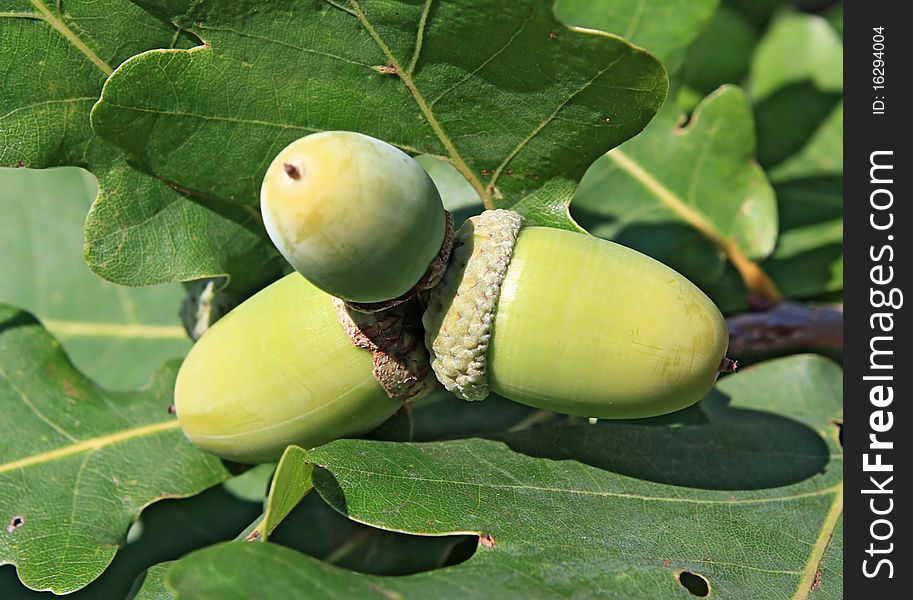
column 828, row 526
column 755, row 279
column 62, row 328
column 89, row 445
column 497, row 172
column 598, row 493
column 406, row 76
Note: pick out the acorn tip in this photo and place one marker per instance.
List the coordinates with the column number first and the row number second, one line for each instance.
column 292, row 171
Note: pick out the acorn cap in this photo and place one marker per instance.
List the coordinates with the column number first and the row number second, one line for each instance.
column 460, row 309
column 356, row 216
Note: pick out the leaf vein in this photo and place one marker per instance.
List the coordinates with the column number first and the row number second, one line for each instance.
column 548, row 119
column 25, row 399
column 501, row 486
column 419, row 37
column 257, row 122
column 57, row 24
column 71, row 521
column 455, row 157
column 262, row 38
column 89, row 445
column 481, row 66
column 46, row 102
column 64, row 328
column 828, row 526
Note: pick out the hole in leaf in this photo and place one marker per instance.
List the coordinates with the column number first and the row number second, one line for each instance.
column 15, row 523
column 816, row 583
column 839, row 426
column 694, row 583
column 252, row 536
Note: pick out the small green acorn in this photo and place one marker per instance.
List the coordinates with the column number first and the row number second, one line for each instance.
column 571, row 323
column 281, row 369
column 356, row 216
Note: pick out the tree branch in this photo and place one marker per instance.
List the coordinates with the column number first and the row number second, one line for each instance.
column 785, row 327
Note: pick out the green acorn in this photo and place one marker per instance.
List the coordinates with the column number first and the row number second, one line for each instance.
column 554, row 319
column 356, row 216
column 281, row 369
column 571, row 323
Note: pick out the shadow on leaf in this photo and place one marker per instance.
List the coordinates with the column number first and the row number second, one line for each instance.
column 739, row 449
column 18, row 319
column 808, row 273
column 788, row 118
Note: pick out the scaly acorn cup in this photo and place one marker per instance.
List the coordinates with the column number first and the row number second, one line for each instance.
column 356, row 216
column 281, row 369
column 571, row 323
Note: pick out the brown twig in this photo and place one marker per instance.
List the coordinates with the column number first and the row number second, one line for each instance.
column 787, row 326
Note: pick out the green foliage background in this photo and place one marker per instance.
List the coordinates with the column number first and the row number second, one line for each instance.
column 707, row 134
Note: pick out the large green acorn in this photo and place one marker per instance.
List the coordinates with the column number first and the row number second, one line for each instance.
column 571, row 323
column 282, row 369
column 356, row 216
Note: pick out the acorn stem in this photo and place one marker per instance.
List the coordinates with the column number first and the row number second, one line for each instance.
column 729, row 366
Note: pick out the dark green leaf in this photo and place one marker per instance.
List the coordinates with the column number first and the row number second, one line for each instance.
column 800, row 118
column 797, row 47
column 315, row 529
column 788, row 120
column 722, row 53
column 442, row 415
column 397, row 428
column 151, row 585
column 252, row 485
column 79, row 463
column 829, row 584
column 55, row 58
column 318, row 531
column 800, row 135
column 758, row 12
column 290, row 483
column 822, row 153
column 166, row 530
column 808, row 260
column 834, row 16
column 520, row 107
